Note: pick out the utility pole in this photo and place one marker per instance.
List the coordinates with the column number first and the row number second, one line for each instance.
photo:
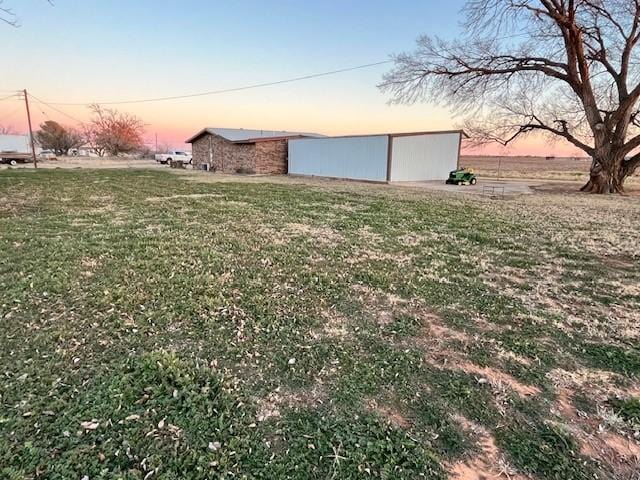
column 33, row 147
column 156, row 143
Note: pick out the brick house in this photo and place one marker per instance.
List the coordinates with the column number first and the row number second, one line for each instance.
column 236, row 150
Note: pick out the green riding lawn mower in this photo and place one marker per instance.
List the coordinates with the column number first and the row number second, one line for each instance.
column 462, row 176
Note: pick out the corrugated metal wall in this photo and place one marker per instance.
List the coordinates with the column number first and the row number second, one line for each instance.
column 358, row 158
column 424, row 157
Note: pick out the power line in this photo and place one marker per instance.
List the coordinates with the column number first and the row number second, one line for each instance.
column 42, row 102
column 228, row 90
column 13, row 96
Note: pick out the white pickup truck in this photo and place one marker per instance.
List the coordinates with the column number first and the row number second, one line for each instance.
column 173, row 155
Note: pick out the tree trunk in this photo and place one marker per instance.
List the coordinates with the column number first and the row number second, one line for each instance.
column 607, row 175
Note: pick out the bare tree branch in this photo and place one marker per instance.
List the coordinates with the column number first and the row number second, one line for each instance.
column 575, row 75
column 9, row 17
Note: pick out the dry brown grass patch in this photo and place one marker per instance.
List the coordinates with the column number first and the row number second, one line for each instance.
column 599, row 384
column 334, row 326
column 368, row 255
column 272, row 405
column 323, row 235
column 89, row 265
column 176, row 197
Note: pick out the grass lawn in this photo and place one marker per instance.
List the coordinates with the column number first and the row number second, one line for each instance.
column 154, row 327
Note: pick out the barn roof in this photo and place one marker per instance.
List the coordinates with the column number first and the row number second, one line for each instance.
column 241, row 135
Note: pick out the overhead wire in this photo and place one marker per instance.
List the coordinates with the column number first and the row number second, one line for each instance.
column 227, row 90
column 42, row 102
column 13, row 96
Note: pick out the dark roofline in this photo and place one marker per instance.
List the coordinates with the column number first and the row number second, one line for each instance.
column 271, row 139
column 437, row 132
column 306, row 137
column 400, row 134
column 198, row 135
column 204, row 131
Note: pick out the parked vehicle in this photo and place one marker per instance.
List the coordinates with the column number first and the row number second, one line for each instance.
column 462, row 176
column 166, row 158
column 48, row 155
column 13, row 158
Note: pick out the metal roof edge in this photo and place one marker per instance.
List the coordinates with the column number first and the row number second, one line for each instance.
column 197, row 135
column 398, row 134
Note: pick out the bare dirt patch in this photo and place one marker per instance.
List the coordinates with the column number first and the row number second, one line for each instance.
column 389, row 413
column 439, row 341
column 619, row 452
column 497, row 378
column 487, row 463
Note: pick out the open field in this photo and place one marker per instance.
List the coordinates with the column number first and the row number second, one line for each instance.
column 568, row 169
column 560, row 174
column 161, row 326
column 91, row 162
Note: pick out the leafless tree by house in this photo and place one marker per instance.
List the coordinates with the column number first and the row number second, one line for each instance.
column 113, row 132
column 568, row 68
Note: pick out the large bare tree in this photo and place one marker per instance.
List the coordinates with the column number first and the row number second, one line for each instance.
column 567, row 68
column 113, row 132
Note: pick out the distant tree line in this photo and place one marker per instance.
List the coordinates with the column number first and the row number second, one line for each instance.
column 108, row 132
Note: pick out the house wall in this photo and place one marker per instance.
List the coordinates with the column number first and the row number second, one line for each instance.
column 222, row 155
column 271, row 157
column 424, row 157
column 228, row 157
column 358, row 158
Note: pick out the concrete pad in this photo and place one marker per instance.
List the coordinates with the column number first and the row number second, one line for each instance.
column 483, row 187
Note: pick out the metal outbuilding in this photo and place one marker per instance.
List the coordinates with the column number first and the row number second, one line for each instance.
column 15, row 143
column 390, row 157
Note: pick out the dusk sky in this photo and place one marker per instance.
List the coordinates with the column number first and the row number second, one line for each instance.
column 117, row 50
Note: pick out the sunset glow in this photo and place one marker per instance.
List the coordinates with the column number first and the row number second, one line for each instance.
column 201, row 46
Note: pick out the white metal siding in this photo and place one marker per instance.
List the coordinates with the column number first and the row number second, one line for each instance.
column 424, row 157
column 15, row 143
column 358, row 158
